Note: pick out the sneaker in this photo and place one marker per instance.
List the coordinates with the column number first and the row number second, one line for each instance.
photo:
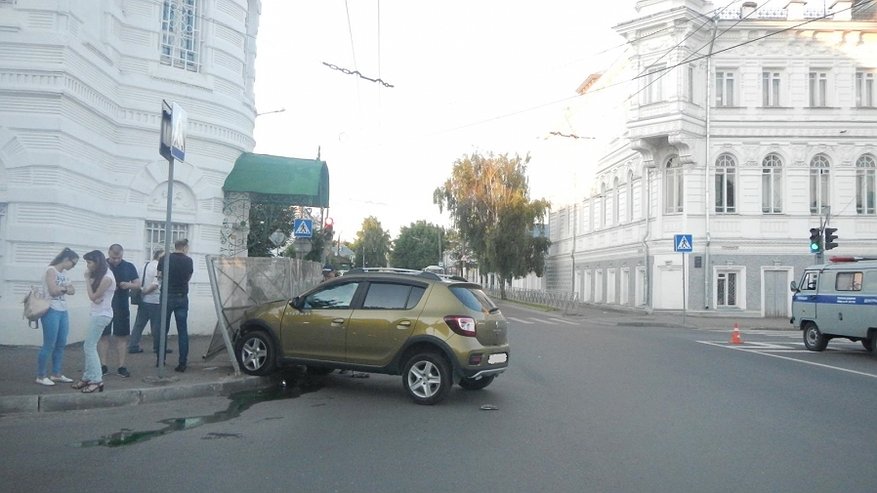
column 61, row 379
column 104, row 370
column 45, row 381
column 180, row 368
column 123, row 372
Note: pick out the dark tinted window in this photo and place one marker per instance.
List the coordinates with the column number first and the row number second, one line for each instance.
column 392, row 296
column 474, row 299
column 335, row 297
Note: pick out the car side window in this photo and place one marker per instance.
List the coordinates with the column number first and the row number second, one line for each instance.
column 340, row 296
column 808, row 282
column 848, row 281
column 387, row 296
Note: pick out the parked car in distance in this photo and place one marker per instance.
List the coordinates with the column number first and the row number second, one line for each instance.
column 432, row 330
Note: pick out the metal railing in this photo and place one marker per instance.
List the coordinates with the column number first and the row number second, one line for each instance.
column 566, row 301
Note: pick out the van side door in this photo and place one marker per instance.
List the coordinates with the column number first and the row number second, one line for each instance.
column 849, row 314
column 804, row 300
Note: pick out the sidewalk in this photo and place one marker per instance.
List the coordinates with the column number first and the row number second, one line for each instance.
column 203, row 377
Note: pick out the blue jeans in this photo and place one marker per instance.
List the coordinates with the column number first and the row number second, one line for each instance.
column 146, row 312
column 93, row 373
column 178, row 304
column 56, row 326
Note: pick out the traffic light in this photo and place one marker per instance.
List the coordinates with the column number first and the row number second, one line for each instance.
column 815, row 240
column 328, row 227
column 829, row 238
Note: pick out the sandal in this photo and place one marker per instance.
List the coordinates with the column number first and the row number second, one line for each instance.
column 80, row 384
column 91, row 387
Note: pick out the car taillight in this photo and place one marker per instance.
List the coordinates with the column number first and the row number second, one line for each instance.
column 465, row 326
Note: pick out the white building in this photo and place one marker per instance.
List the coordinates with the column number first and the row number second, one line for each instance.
column 81, row 90
column 742, row 127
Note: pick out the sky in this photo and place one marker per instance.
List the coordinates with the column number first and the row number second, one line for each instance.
column 467, row 75
column 485, row 76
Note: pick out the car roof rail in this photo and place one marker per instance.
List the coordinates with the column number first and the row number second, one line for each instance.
column 394, row 270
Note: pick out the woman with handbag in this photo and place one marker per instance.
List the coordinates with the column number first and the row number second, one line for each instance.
column 56, row 324
column 101, row 285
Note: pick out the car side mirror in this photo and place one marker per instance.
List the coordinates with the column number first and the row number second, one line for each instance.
column 295, row 303
column 793, row 286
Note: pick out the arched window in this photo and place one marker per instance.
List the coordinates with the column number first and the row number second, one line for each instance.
column 629, row 201
column 726, row 184
column 604, row 205
column 616, row 201
column 772, row 184
column 866, row 171
column 819, row 183
column 673, row 186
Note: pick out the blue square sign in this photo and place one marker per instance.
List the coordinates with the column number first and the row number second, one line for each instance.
column 303, row 228
column 682, row 243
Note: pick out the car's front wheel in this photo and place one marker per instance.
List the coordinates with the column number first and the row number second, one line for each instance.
column 427, row 378
column 255, row 353
column 814, row 340
column 472, row 384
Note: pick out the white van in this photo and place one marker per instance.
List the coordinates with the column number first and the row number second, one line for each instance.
column 837, row 299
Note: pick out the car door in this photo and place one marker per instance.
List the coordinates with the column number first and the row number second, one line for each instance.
column 316, row 329
column 804, row 300
column 383, row 322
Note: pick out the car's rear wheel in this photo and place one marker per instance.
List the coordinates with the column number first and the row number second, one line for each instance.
column 472, row 384
column 868, row 344
column 427, row 378
column 814, row 340
column 255, row 353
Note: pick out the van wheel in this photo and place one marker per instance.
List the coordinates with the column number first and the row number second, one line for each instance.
column 869, row 345
column 873, row 344
column 813, row 339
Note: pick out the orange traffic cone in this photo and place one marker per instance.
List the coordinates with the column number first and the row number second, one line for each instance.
column 735, row 335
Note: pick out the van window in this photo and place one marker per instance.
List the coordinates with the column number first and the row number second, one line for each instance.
column 848, row 281
column 808, row 281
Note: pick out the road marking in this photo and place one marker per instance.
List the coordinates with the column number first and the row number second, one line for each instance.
column 521, row 320
column 771, row 354
column 560, row 320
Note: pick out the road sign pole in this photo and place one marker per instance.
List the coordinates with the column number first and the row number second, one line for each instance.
column 683, row 289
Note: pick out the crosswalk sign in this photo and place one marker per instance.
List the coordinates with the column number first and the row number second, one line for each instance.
column 303, row 228
column 682, row 243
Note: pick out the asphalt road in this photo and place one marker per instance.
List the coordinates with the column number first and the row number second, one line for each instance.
column 587, row 405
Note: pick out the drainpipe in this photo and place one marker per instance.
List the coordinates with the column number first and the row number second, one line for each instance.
column 647, row 178
column 707, row 271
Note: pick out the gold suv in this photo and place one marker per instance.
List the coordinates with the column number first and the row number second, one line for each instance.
column 433, row 330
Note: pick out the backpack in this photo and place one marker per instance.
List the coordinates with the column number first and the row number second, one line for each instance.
column 35, row 306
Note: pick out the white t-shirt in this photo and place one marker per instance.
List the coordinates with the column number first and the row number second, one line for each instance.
column 149, row 277
column 58, row 303
column 105, row 306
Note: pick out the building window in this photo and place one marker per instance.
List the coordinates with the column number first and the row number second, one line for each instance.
column 819, row 183
column 818, row 89
column 629, row 201
column 866, row 175
column 155, row 235
column 724, row 88
column 772, row 184
column 865, row 95
column 726, row 183
column 691, row 83
column 673, row 186
column 726, row 289
column 616, row 201
column 604, row 205
column 652, row 92
column 770, row 88
column 180, row 34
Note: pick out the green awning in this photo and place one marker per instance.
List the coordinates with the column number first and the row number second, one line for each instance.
column 301, row 181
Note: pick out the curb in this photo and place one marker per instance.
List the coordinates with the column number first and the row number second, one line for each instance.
column 126, row 397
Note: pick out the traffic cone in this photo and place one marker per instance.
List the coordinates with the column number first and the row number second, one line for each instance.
column 735, row 335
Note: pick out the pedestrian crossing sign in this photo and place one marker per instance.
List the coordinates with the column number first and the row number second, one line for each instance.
column 682, row 243
column 303, row 228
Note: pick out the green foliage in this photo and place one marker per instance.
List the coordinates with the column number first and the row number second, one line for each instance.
column 488, row 197
column 372, row 244
column 265, row 218
column 417, row 246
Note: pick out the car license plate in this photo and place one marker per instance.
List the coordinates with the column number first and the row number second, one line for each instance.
column 497, row 358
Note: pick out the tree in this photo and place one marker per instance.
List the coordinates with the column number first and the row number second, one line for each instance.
column 266, row 217
column 488, row 198
column 372, row 244
column 417, row 246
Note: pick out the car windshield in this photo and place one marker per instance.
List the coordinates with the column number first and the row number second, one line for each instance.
column 474, row 299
